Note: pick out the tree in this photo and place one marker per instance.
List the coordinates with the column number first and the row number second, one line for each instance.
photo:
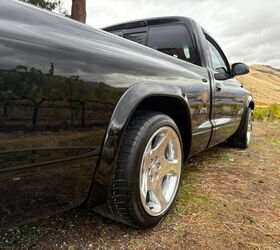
column 79, row 10
column 31, row 86
column 76, row 92
column 52, row 5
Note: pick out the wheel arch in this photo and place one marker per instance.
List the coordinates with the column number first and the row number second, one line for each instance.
column 250, row 103
column 163, row 98
column 175, row 109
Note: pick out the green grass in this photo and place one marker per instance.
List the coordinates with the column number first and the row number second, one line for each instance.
column 269, row 113
column 226, row 157
column 274, row 141
column 250, row 218
column 188, row 195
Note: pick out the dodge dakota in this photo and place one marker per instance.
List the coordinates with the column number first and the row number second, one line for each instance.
column 105, row 119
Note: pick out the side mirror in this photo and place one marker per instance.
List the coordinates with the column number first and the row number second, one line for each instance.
column 221, row 74
column 238, row 69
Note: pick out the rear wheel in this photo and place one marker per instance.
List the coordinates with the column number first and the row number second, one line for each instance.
column 148, row 170
column 242, row 137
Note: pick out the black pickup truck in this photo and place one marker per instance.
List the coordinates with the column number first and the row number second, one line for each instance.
column 88, row 118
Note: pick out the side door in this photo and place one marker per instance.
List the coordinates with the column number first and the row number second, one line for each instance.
column 176, row 40
column 227, row 103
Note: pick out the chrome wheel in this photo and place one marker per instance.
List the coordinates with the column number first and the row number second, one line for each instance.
column 160, row 171
column 249, row 129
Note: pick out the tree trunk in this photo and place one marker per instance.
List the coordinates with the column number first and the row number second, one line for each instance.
column 6, row 109
column 35, row 115
column 79, row 10
column 83, row 114
column 72, row 113
column 36, row 108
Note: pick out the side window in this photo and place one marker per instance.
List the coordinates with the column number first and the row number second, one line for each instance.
column 173, row 40
column 218, row 62
column 138, row 37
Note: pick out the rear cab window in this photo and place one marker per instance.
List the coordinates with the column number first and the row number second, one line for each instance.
column 138, row 37
column 174, row 40
column 118, row 33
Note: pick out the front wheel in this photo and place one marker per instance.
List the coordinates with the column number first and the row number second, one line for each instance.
column 242, row 137
column 148, row 170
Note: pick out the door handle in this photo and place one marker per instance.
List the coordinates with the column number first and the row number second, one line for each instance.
column 218, row 87
column 204, row 80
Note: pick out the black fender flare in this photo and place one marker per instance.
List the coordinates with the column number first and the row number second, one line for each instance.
column 120, row 118
column 250, row 103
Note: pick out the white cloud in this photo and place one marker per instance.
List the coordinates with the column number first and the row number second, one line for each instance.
column 246, row 29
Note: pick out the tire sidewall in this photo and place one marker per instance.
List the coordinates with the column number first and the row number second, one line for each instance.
column 249, row 117
column 245, row 128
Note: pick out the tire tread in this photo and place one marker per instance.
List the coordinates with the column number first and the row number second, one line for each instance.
column 121, row 199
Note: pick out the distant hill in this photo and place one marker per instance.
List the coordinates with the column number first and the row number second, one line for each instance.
column 264, row 83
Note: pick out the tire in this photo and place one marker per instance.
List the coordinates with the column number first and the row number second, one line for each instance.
column 148, row 170
column 242, row 137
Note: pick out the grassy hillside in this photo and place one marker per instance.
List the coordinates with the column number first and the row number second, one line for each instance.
column 264, row 83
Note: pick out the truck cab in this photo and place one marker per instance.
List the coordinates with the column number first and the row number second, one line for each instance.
column 217, row 110
column 171, row 35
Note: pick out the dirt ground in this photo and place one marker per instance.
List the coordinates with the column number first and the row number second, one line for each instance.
column 228, row 199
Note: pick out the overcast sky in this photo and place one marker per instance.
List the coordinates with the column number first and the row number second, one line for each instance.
column 247, row 30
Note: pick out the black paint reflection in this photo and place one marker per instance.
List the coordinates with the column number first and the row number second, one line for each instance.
column 39, row 191
column 50, row 133
column 31, row 100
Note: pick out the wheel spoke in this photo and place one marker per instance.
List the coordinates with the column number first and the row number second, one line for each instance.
column 160, row 171
column 161, row 201
column 170, row 166
column 164, row 141
column 144, row 185
column 157, row 199
column 164, row 147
